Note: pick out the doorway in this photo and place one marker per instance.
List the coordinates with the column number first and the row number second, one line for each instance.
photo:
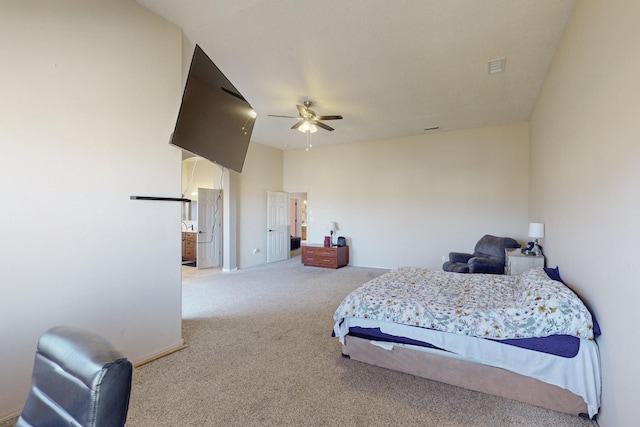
column 202, row 218
column 297, row 221
column 286, row 224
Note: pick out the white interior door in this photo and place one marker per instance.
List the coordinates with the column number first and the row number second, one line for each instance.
column 209, row 245
column 278, row 238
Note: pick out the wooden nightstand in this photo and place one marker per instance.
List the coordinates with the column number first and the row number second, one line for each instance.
column 320, row 256
column 516, row 262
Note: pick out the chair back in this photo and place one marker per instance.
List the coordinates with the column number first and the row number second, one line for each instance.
column 79, row 379
column 493, row 247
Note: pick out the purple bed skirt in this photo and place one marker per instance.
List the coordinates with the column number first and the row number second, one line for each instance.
column 557, row 345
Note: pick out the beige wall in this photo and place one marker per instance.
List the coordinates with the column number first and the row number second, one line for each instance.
column 262, row 172
column 90, row 90
column 200, row 173
column 584, row 182
column 409, row 201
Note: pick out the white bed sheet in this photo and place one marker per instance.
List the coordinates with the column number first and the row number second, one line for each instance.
column 580, row 374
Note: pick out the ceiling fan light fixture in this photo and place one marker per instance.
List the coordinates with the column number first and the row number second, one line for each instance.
column 308, row 121
column 306, row 126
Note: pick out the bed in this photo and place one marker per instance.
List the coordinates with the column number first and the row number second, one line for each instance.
column 526, row 337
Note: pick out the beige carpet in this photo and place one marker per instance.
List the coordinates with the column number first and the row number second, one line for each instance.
column 260, row 353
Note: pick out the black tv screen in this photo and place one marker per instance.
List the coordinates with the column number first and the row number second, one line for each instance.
column 215, row 121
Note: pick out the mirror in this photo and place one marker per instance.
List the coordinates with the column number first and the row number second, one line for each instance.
column 190, row 211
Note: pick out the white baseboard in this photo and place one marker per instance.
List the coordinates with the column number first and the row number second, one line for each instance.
column 182, row 345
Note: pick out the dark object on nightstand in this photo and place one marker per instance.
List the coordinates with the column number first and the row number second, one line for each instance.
column 488, row 256
column 295, row 243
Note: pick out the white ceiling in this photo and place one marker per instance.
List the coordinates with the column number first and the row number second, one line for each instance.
column 390, row 68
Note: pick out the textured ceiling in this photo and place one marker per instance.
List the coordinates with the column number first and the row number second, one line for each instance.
column 391, row 68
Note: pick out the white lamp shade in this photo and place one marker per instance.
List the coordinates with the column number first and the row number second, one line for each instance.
column 536, row 230
column 332, row 226
column 307, row 127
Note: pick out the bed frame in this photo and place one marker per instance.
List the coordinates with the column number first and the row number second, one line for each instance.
column 469, row 375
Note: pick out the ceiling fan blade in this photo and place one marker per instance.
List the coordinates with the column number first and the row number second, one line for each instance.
column 329, row 117
column 297, row 125
column 302, row 111
column 286, row 117
column 323, row 126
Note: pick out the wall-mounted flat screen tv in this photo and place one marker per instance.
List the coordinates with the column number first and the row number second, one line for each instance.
column 215, row 121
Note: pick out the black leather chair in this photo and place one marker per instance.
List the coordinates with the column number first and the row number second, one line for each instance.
column 79, row 379
column 488, row 256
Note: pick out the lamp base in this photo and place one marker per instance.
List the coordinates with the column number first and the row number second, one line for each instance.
column 537, row 249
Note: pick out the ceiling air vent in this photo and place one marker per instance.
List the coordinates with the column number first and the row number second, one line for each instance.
column 497, row 66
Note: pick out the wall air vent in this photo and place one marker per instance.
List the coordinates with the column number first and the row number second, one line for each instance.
column 432, row 128
column 497, row 66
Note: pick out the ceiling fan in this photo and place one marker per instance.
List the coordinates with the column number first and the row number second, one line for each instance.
column 308, row 120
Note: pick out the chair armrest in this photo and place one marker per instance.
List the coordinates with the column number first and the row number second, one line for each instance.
column 460, row 257
column 485, row 265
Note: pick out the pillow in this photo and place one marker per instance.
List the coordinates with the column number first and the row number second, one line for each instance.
column 553, row 273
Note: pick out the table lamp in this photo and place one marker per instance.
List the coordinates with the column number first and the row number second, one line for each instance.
column 332, row 227
column 536, row 230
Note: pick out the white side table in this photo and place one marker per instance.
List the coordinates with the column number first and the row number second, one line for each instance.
column 516, row 262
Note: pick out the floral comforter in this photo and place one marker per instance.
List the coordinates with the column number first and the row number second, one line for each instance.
column 481, row 305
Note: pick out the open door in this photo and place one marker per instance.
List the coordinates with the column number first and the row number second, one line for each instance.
column 209, row 244
column 278, row 238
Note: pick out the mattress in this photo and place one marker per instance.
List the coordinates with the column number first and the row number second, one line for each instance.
column 529, row 305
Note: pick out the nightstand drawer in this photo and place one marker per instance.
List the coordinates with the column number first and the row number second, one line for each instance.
column 319, row 260
column 321, row 252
